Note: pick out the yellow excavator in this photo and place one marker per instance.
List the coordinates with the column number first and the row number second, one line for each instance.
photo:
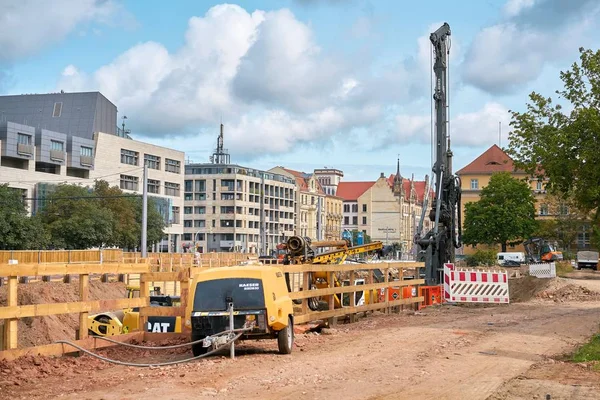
column 128, row 320
column 301, row 250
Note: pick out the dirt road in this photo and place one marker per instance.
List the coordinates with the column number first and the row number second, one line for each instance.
column 443, row 353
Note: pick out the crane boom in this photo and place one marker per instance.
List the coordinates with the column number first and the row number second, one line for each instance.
column 437, row 246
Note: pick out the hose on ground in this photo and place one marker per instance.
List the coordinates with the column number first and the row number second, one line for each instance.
column 175, row 346
column 147, row 365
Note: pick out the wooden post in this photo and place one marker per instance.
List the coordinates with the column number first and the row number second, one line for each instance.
column 353, row 297
column 184, row 288
column 333, row 320
column 10, row 325
column 305, row 287
column 144, row 292
column 387, row 290
column 84, row 291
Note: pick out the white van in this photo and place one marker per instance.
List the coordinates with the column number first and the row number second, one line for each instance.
column 510, row 259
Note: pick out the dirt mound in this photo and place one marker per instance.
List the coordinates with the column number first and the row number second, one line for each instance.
column 525, row 288
column 569, row 292
column 45, row 330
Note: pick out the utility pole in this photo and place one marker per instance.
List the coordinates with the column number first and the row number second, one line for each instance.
column 145, row 213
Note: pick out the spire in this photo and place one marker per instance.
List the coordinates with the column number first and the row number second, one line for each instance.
column 398, row 177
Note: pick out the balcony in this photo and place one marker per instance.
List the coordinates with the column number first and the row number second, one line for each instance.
column 86, row 161
column 57, row 155
column 25, row 149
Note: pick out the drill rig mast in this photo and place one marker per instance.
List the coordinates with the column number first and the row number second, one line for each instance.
column 437, row 246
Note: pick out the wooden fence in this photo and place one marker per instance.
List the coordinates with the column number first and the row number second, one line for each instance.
column 376, row 296
column 119, row 256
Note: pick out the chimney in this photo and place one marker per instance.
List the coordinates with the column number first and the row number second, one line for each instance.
column 382, row 175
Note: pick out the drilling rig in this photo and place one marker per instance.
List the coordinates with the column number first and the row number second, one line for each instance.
column 438, row 245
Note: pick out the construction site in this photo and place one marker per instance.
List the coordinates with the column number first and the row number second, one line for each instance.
column 325, row 319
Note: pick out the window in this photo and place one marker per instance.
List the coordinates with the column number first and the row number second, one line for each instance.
column 23, row 138
column 583, row 237
column 346, row 208
column 474, row 184
column 200, row 210
column 538, row 185
column 200, row 186
column 152, row 161
column 354, row 207
column 188, row 197
column 56, row 145
column 188, row 186
column 57, row 110
column 129, row 157
column 171, row 189
column 85, row 151
column 188, row 210
column 172, row 165
column 199, row 196
column 364, row 208
column 187, row 223
column 226, row 223
column 354, row 220
column 544, row 209
column 187, row 236
column 199, row 223
column 364, row 220
column 153, row 186
column 563, row 209
column 346, row 220
column 176, row 213
column 129, row 182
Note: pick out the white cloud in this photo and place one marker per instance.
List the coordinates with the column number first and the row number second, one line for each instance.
column 26, row 26
column 515, row 7
column 505, row 56
column 471, row 129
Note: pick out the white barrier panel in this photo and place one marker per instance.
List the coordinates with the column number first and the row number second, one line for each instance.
column 475, row 286
column 544, row 270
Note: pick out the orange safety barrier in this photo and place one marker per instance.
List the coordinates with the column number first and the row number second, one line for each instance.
column 431, row 294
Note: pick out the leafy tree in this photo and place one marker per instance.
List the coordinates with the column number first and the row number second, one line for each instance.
column 76, row 220
column 156, row 222
column 504, row 214
column 17, row 230
column 562, row 144
column 125, row 233
column 482, row 257
column 366, row 238
column 566, row 223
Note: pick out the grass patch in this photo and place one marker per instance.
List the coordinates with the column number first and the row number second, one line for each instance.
column 589, row 351
column 563, row 268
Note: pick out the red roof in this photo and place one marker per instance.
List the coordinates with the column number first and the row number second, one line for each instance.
column 351, row 191
column 419, row 187
column 301, row 181
column 492, row 160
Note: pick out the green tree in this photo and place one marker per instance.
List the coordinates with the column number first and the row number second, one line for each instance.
column 366, row 238
column 562, row 144
column 123, row 209
column 76, row 220
column 156, row 222
column 504, row 214
column 17, row 230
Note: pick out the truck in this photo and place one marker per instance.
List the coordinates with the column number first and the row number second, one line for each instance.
column 587, row 259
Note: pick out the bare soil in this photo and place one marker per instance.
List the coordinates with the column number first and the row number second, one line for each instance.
column 503, row 352
column 45, row 330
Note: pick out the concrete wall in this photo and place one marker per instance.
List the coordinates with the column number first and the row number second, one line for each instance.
column 43, row 145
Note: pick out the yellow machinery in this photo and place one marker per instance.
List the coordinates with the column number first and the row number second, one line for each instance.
column 128, row 320
column 256, row 296
column 302, row 250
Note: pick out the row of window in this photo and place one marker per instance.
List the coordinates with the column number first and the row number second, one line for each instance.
column 354, row 220
column 56, row 145
column 230, row 223
column 129, row 182
column 354, row 208
column 153, row 162
column 539, row 185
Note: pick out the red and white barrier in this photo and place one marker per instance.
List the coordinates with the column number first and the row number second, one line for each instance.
column 475, row 286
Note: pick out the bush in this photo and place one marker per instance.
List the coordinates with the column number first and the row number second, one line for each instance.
column 482, row 257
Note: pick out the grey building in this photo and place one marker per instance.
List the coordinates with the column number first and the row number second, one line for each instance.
column 75, row 114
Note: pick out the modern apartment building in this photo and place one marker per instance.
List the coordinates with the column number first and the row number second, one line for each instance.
column 55, row 138
column 228, row 207
column 310, row 203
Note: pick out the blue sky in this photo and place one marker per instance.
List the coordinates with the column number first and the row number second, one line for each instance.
column 299, row 83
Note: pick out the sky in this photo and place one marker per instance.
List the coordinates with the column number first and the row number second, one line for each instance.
column 299, row 83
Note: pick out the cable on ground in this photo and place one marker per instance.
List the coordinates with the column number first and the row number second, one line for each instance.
column 147, row 365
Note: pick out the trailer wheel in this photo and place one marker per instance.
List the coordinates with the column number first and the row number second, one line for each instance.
column 285, row 338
